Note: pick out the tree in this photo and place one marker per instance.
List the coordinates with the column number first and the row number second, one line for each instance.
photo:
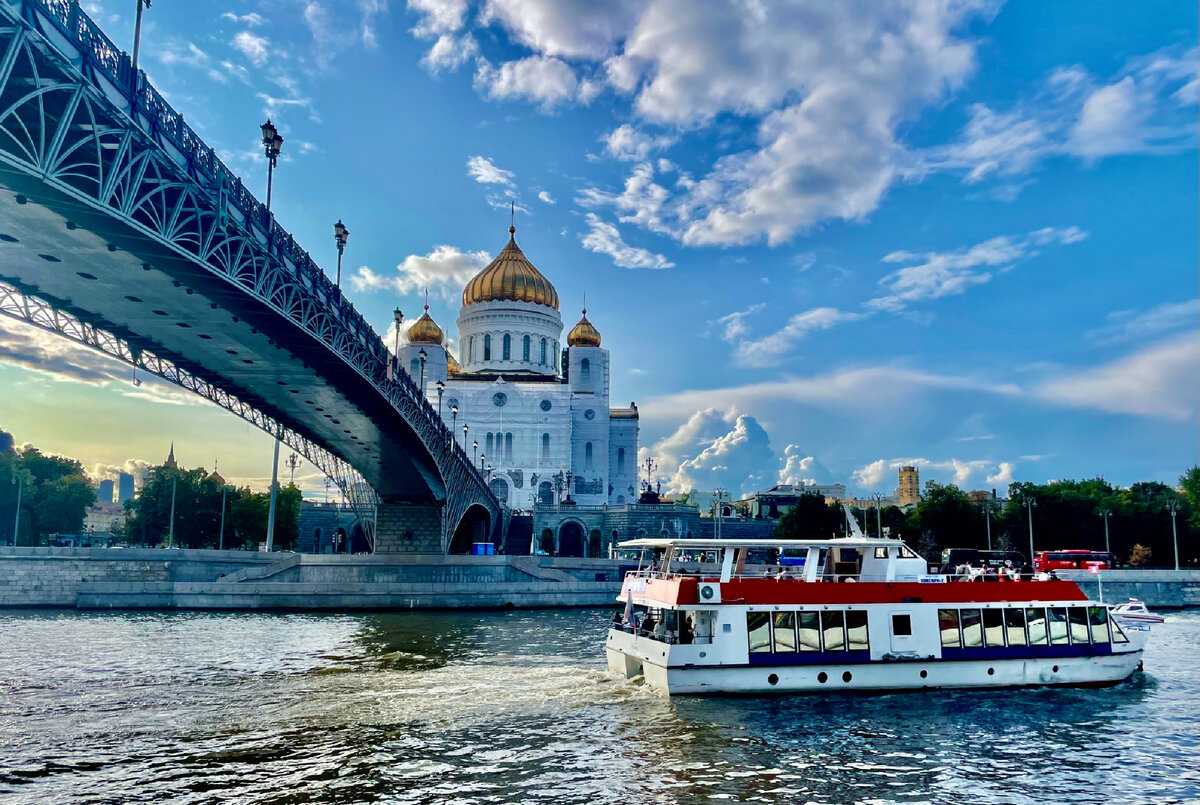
column 947, row 518
column 810, row 518
column 55, row 493
column 1190, row 482
column 1139, row 556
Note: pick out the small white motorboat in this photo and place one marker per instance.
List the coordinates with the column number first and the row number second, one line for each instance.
column 1134, row 613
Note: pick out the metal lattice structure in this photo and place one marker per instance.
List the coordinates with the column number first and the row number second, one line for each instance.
column 75, row 116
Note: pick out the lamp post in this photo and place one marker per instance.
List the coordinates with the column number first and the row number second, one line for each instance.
column 1105, row 513
column 19, row 480
column 474, row 450
column 718, row 512
column 482, row 459
column 1030, row 503
column 441, row 389
column 1173, row 508
column 465, row 428
column 171, row 528
column 453, row 420
column 878, row 497
column 137, row 33
column 221, row 538
column 272, row 144
column 340, row 235
column 423, row 357
column 987, row 516
column 398, row 319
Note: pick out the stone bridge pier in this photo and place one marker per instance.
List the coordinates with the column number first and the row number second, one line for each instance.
column 402, row 527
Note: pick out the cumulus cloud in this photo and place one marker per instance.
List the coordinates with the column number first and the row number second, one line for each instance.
column 604, row 238
column 253, row 47
column 482, row 170
column 437, row 17
column 547, row 82
column 449, row 53
column 445, row 270
column 630, row 144
column 882, row 474
column 545, row 197
column 715, row 448
column 799, row 468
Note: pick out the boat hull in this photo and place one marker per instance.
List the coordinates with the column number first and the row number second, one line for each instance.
column 1093, row 671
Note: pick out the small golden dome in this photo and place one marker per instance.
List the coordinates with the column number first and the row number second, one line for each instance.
column 452, row 367
column 583, row 334
column 425, row 330
column 511, row 277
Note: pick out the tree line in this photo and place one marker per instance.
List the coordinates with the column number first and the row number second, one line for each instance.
column 56, row 494
column 1065, row 515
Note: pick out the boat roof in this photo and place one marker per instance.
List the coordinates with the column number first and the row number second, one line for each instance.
column 849, row 542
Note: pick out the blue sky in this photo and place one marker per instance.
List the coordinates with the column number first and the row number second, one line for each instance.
column 821, row 240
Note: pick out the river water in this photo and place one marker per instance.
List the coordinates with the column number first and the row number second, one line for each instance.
column 517, row 707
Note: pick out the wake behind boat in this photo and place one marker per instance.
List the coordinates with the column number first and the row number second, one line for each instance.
column 757, row 616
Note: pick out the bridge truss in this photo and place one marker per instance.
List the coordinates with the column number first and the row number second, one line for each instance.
column 75, row 116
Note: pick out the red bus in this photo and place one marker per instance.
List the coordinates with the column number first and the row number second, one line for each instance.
column 1044, row 561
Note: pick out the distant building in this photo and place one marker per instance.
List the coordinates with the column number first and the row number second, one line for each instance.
column 777, row 501
column 101, row 519
column 104, row 495
column 124, row 487
column 909, row 491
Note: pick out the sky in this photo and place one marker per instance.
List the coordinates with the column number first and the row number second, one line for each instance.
column 821, row 240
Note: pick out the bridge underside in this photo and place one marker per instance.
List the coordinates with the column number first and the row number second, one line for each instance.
column 93, row 266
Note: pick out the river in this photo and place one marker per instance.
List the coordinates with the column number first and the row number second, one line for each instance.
column 517, row 707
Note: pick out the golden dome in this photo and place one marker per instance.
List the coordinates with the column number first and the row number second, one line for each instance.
column 583, row 334
column 511, row 277
column 425, row 330
column 452, row 367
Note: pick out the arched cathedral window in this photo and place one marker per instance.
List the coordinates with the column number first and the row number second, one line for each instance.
column 525, row 349
column 487, row 347
column 507, row 347
column 543, row 352
column 585, row 370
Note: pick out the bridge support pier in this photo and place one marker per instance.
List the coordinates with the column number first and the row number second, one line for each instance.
column 408, row 528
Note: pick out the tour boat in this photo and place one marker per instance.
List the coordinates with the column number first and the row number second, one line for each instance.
column 852, row 614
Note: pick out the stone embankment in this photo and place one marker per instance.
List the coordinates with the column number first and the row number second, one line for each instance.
column 100, row 578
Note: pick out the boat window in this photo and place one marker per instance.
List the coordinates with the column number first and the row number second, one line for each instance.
column 881, row 553
column 948, row 624
column 1058, row 626
column 1118, row 636
column 1077, row 617
column 908, row 553
column 1014, row 626
column 1098, row 620
column 856, row 632
column 902, row 625
column 833, row 626
column 1036, row 618
column 758, row 627
column 993, row 627
column 972, row 630
column 810, row 631
column 784, row 631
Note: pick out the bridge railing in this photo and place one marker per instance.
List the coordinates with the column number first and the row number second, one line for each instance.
column 102, row 57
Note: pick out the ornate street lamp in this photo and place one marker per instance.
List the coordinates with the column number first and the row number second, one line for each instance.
column 340, row 235
column 1173, row 508
column 482, row 458
column 1106, row 513
column 453, row 420
column 441, row 389
column 423, row 357
column 474, row 450
column 465, row 428
column 272, row 144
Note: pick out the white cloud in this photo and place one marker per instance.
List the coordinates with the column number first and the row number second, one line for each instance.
column 545, row 197
column 733, row 325
column 950, row 273
column 177, row 51
column 1003, row 475
column 604, row 238
column 1135, row 325
column 438, row 17
column 445, row 270
column 628, row 143
column 799, row 468
column 571, row 30
column 1159, row 382
column 767, row 351
column 643, row 201
column 547, row 82
column 253, row 47
column 881, row 475
column 251, row 19
column 705, row 453
column 450, row 52
column 483, row 171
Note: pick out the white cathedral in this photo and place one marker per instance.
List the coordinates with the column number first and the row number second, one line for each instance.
column 536, row 416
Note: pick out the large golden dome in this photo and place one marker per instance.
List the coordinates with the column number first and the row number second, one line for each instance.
column 583, row 334
column 511, row 277
column 425, row 330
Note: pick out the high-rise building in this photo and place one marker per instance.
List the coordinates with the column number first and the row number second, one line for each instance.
column 124, row 487
column 104, row 495
column 909, row 491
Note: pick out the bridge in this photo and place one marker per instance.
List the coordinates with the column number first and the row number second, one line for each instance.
column 121, row 230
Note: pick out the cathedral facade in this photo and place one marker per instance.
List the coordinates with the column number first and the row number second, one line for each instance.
column 533, row 414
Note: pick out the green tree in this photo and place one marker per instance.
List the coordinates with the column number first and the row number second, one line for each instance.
column 810, row 518
column 55, row 496
column 945, row 518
